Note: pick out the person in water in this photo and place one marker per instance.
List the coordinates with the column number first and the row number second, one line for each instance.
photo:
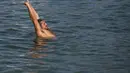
column 41, row 28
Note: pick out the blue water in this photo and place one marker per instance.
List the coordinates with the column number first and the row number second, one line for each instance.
column 93, row 36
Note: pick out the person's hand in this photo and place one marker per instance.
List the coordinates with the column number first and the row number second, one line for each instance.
column 27, row 2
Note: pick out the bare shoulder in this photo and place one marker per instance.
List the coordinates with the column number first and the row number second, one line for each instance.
column 48, row 33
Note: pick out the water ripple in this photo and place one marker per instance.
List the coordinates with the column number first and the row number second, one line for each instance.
column 92, row 36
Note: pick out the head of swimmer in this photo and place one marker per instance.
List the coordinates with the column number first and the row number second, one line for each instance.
column 42, row 23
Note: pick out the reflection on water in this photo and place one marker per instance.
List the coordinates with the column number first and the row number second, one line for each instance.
column 39, row 44
column 38, row 52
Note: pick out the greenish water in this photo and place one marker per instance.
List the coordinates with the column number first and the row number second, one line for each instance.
column 93, row 36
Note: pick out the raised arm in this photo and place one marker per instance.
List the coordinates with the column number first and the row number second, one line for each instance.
column 33, row 10
column 33, row 16
column 35, row 13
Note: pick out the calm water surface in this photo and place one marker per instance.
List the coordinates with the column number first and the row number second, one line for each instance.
column 93, row 36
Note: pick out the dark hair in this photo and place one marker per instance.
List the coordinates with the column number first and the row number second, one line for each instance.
column 39, row 20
